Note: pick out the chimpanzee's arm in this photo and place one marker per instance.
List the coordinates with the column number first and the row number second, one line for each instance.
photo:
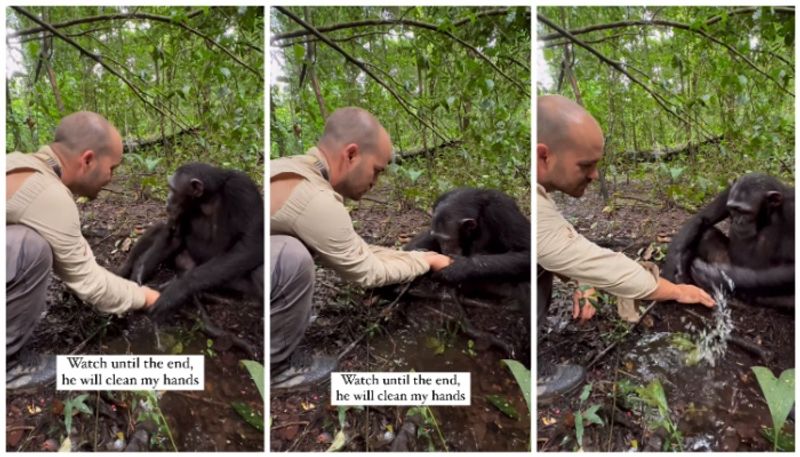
column 423, row 242
column 771, row 281
column 683, row 249
column 510, row 266
column 157, row 245
column 245, row 256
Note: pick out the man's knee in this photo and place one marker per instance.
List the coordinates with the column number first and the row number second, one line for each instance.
column 27, row 253
column 291, row 262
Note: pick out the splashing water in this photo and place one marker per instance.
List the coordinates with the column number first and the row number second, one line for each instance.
column 712, row 342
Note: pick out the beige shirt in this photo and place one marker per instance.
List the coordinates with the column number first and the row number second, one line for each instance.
column 44, row 204
column 561, row 250
column 315, row 214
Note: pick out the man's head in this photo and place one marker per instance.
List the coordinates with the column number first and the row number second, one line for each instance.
column 357, row 149
column 569, row 145
column 89, row 148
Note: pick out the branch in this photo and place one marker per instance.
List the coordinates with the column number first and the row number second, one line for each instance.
column 616, row 65
column 143, row 16
column 676, row 25
column 404, row 104
column 366, row 23
column 418, row 24
column 136, row 91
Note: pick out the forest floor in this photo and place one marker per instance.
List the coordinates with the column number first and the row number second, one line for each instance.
column 132, row 421
column 415, row 333
column 719, row 408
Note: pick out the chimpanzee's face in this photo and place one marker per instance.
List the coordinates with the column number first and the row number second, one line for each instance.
column 453, row 228
column 183, row 190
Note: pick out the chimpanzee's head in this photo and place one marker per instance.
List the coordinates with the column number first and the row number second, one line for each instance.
column 752, row 201
column 187, row 188
column 454, row 227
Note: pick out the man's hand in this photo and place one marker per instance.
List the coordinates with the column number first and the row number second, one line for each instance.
column 437, row 261
column 689, row 294
column 587, row 311
column 150, row 297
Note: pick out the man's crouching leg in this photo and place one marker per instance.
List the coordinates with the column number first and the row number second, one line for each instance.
column 29, row 260
column 292, row 288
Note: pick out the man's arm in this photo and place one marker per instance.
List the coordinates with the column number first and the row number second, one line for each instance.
column 54, row 215
column 326, row 228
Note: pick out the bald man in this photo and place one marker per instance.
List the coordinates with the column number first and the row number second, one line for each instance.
column 44, row 230
column 307, row 215
column 569, row 147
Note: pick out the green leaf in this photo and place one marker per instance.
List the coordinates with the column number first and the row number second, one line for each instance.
column 591, row 415
column 587, row 390
column 579, row 429
column 523, row 377
column 256, row 371
column 500, row 402
column 251, row 416
column 299, row 52
column 225, row 72
column 338, row 442
column 779, row 393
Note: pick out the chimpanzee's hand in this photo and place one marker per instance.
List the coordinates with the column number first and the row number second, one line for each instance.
column 173, row 296
column 454, row 273
column 707, row 275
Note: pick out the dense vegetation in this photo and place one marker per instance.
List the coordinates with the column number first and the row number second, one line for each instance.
column 180, row 83
column 452, row 86
column 679, row 91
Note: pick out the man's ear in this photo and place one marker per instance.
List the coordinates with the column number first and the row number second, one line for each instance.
column 87, row 157
column 352, row 151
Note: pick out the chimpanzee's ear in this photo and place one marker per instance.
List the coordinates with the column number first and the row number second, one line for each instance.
column 774, row 198
column 197, row 187
column 469, row 223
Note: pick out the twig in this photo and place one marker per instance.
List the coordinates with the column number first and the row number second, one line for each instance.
column 289, row 424
column 622, row 338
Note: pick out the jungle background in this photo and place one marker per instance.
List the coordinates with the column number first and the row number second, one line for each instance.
column 689, row 99
column 181, row 84
column 452, row 87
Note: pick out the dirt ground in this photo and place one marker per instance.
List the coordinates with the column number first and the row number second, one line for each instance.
column 719, row 408
column 415, row 333
column 186, row 421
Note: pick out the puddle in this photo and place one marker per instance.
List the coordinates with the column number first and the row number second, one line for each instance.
column 201, row 420
column 716, row 406
column 481, row 426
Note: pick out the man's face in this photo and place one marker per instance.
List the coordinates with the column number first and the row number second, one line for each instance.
column 99, row 169
column 366, row 166
column 573, row 166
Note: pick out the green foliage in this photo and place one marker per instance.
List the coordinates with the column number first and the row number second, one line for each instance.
column 585, row 414
column 256, row 371
column 653, row 396
column 523, row 377
column 200, row 93
column 427, row 426
column 71, row 405
column 724, row 92
column 151, row 411
column 779, row 393
column 453, row 95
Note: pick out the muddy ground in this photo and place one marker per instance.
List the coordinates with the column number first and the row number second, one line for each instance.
column 719, row 408
column 196, row 420
column 421, row 334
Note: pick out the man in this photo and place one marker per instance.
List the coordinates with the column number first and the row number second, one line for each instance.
column 569, row 146
column 307, row 214
column 44, row 230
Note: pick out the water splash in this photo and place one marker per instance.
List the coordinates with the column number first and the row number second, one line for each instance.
column 712, row 342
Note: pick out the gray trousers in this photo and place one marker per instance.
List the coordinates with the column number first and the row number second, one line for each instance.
column 292, row 275
column 28, row 262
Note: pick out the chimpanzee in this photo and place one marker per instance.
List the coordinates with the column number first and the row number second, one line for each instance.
column 757, row 255
column 214, row 231
column 488, row 237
